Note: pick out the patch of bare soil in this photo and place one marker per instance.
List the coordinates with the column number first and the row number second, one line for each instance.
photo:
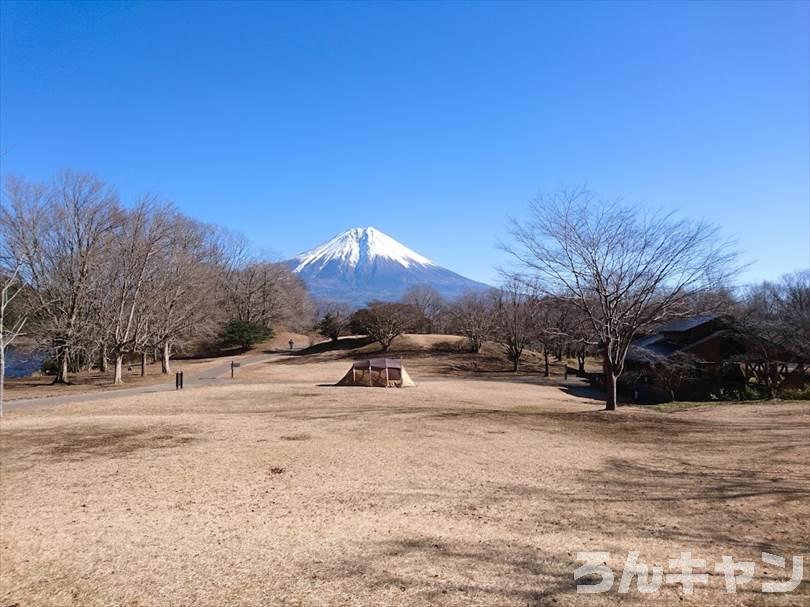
column 91, row 441
column 281, row 489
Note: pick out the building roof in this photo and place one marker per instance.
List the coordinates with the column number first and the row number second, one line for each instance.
column 669, row 338
column 680, row 325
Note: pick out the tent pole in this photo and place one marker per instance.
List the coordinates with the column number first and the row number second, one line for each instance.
column 386, row 376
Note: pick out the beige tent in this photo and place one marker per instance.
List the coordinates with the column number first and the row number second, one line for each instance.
column 377, row 373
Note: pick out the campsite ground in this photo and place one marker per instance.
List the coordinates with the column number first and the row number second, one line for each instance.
column 478, row 487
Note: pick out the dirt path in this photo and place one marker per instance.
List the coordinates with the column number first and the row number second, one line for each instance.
column 211, row 376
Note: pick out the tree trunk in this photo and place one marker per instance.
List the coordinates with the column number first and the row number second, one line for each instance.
column 165, row 367
column 103, row 363
column 769, row 391
column 547, row 372
column 118, row 378
column 143, row 363
column 515, row 364
column 74, row 365
column 610, row 386
column 61, row 369
column 581, row 363
column 2, row 369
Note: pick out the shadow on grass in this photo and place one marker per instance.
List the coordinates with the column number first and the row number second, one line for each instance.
column 704, row 497
column 59, row 443
column 431, row 570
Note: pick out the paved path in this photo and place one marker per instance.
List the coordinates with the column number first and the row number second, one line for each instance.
column 213, row 376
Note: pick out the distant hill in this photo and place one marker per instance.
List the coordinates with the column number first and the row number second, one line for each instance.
column 362, row 264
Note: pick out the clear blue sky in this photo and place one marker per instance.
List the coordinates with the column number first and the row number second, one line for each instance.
column 432, row 122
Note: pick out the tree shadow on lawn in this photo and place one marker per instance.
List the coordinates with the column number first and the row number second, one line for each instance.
column 59, row 443
column 681, row 480
column 702, row 498
column 436, row 571
column 343, row 348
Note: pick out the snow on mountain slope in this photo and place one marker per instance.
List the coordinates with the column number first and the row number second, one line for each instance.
column 362, row 264
column 360, row 245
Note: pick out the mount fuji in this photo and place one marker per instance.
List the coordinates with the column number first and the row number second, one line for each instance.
column 362, row 264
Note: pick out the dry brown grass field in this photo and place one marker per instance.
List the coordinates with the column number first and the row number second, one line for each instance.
column 477, row 487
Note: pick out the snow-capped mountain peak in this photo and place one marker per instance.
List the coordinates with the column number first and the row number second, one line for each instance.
column 363, row 264
column 358, row 246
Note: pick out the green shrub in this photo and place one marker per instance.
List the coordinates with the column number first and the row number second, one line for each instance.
column 796, row 394
column 244, row 333
column 50, row 366
column 744, row 392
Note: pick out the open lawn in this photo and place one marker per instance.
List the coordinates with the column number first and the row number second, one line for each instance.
column 470, row 489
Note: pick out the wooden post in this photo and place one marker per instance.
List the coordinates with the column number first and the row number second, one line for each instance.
column 386, row 375
column 354, row 375
column 231, row 369
column 370, row 382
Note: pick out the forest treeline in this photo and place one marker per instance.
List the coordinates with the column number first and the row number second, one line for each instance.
column 98, row 281
column 590, row 275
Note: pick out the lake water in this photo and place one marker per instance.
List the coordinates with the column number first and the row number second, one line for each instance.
column 21, row 363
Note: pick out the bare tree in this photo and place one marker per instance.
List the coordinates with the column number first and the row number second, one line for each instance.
column 775, row 324
column 794, row 303
column 184, row 304
column 428, row 302
column 625, row 268
column 472, row 316
column 334, row 319
column 675, row 371
column 549, row 329
column 269, row 294
column 515, row 308
column 105, row 281
column 385, row 321
column 138, row 246
column 10, row 325
column 61, row 236
column 579, row 334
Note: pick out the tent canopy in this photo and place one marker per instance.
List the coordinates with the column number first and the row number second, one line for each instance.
column 378, row 363
column 377, row 373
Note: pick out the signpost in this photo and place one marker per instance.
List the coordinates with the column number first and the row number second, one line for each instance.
column 233, row 366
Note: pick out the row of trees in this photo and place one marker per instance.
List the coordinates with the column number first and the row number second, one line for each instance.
column 774, row 319
column 514, row 316
column 98, row 281
column 589, row 276
column 92, row 281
